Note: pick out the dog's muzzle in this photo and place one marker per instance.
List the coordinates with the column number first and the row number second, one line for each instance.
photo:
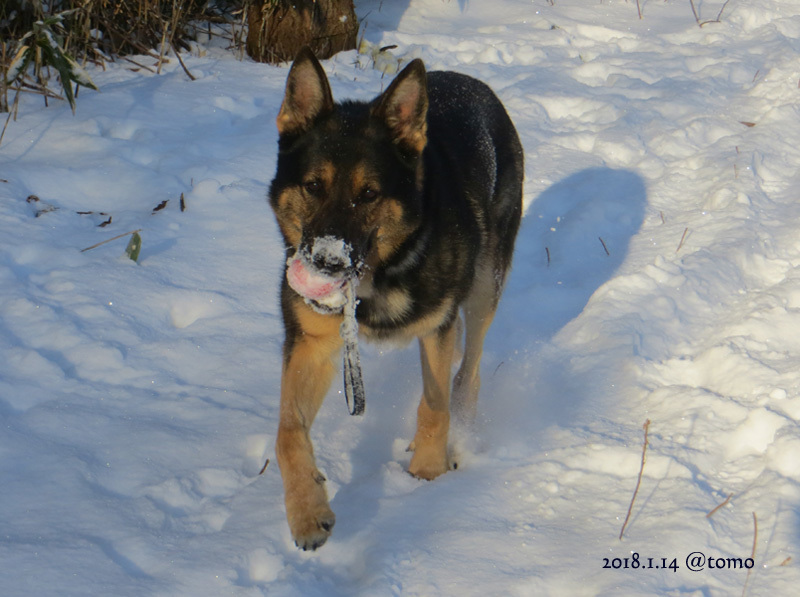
column 320, row 272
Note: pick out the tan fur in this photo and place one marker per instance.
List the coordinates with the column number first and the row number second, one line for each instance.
column 479, row 309
column 359, row 179
column 290, row 212
column 294, row 208
column 395, row 304
column 421, row 327
column 307, row 373
column 392, row 230
column 433, row 414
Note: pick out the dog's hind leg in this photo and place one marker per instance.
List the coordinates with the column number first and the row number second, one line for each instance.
column 479, row 310
column 433, row 415
column 307, row 374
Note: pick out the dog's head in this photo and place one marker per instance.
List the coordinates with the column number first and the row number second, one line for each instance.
column 346, row 193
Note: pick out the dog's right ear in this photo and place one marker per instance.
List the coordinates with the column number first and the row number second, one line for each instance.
column 308, row 94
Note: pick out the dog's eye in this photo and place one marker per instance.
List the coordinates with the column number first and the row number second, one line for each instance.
column 313, row 188
column 368, row 195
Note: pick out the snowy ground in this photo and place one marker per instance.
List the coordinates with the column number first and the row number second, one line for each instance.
column 138, row 402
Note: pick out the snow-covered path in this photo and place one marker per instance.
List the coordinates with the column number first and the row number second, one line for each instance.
column 654, row 279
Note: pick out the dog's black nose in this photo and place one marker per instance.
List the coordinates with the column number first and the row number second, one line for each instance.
column 331, row 265
column 329, row 255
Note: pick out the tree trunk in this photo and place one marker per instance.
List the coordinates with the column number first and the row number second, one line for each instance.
column 277, row 29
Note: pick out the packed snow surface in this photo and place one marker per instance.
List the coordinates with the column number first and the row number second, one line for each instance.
column 654, row 280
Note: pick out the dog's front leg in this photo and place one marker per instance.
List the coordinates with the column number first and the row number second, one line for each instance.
column 307, row 373
column 433, row 415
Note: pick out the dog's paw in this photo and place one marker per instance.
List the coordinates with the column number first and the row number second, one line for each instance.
column 309, row 516
column 428, row 464
column 312, row 531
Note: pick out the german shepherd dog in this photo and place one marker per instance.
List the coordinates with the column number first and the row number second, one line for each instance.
column 415, row 199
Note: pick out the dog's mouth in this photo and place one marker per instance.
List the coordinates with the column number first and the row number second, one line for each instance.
column 320, row 273
column 316, row 287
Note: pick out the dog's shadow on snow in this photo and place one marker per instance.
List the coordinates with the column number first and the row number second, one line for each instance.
column 573, row 238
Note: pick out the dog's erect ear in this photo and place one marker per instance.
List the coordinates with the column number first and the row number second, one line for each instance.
column 308, row 94
column 404, row 107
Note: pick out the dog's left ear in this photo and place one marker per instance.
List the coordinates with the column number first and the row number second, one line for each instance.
column 308, row 94
column 404, row 107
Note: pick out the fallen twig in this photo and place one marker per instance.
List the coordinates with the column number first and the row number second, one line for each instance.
column 109, row 240
column 638, row 481
column 263, row 468
column 683, row 238
column 139, row 64
column 722, row 505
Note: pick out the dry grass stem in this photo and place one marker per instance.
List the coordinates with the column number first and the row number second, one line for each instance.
column 683, row 238
column 702, row 23
column 720, row 506
column 12, row 112
column 97, row 31
column 186, row 70
column 752, row 553
column 638, row 481
column 162, row 50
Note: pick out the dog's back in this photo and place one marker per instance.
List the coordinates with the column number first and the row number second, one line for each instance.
column 474, row 155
